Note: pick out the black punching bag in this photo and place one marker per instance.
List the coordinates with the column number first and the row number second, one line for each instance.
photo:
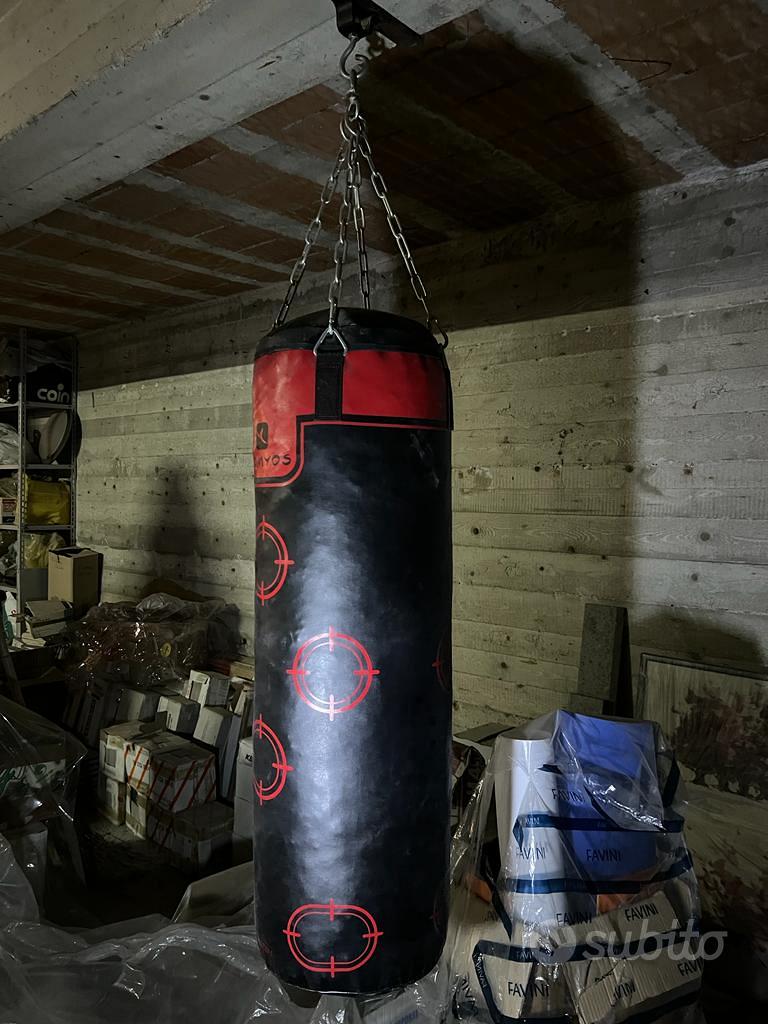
column 352, row 699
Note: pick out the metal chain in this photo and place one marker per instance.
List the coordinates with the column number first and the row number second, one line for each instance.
column 350, row 129
column 313, row 231
column 354, row 131
column 340, row 248
column 393, row 223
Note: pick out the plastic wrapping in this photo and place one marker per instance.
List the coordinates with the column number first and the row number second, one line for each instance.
column 540, row 926
column 9, row 448
column 39, row 768
column 150, row 971
column 37, row 546
column 575, row 896
column 153, row 642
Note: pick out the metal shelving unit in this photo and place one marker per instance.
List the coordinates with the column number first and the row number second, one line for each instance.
column 65, row 472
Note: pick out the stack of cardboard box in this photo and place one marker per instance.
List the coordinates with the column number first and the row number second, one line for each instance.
column 160, row 773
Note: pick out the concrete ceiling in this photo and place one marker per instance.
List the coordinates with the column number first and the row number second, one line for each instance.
column 504, row 112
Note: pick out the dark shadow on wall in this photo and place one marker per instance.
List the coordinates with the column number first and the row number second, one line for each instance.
column 173, row 538
column 177, row 538
column 542, row 460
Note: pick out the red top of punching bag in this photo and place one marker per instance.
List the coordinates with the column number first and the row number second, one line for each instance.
column 394, row 374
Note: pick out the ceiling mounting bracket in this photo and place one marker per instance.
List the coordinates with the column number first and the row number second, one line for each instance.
column 360, row 18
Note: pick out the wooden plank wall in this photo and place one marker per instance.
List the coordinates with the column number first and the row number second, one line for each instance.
column 611, row 382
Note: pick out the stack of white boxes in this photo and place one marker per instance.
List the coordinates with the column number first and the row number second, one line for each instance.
column 217, row 726
column 161, row 777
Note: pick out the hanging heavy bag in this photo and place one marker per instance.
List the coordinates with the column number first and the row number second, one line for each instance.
column 352, row 691
column 352, row 697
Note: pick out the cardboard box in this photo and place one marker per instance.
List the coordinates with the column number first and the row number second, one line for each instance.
column 182, row 713
column 46, row 618
column 98, row 710
column 244, row 703
column 219, row 728
column 89, row 717
column 8, row 509
column 618, row 989
column 72, row 708
column 244, row 782
column 138, row 705
column 111, row 799
column 179, row 776
column 114, row 742
column 213, row 726
column 209, row 689
column 141, row 758
column 177, row 686
column 74, row 576
column 136, row 812
column 628, row 923
column 195, row 838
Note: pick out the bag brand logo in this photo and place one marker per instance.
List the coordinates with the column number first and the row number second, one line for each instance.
column 56, row 396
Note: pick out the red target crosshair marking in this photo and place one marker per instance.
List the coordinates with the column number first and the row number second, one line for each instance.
column 279, row 763
column 265, row 591
column 332, row 705
column 370, row 933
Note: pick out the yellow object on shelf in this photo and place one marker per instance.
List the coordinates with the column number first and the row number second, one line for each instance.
column 46, row 503
column 37, row 546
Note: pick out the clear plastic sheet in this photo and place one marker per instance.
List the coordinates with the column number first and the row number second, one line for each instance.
column 574, row 895
column 150, row 971
column 153, row 642
column 541, row 926
column 39, row 770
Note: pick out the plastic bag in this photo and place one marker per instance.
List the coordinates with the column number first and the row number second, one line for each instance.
column 138, row 973
column 37, row 546
column 39, row 770
column 156, row 641
column 9, row 447
column 575, row 894
column 47, row 502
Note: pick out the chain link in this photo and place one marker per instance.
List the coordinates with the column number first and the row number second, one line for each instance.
column 393, row 223
column 340, row 248
column 311, row 236
column 351, row 130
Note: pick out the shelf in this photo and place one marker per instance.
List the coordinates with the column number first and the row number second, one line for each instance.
column 35, row 527
column 51, row 406
column 36, row 466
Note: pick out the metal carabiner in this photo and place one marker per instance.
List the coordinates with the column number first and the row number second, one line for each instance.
column 331, row 331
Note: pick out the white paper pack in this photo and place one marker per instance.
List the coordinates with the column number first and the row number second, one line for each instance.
column 209, row 689
column 617, row 989
column 182, row 713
